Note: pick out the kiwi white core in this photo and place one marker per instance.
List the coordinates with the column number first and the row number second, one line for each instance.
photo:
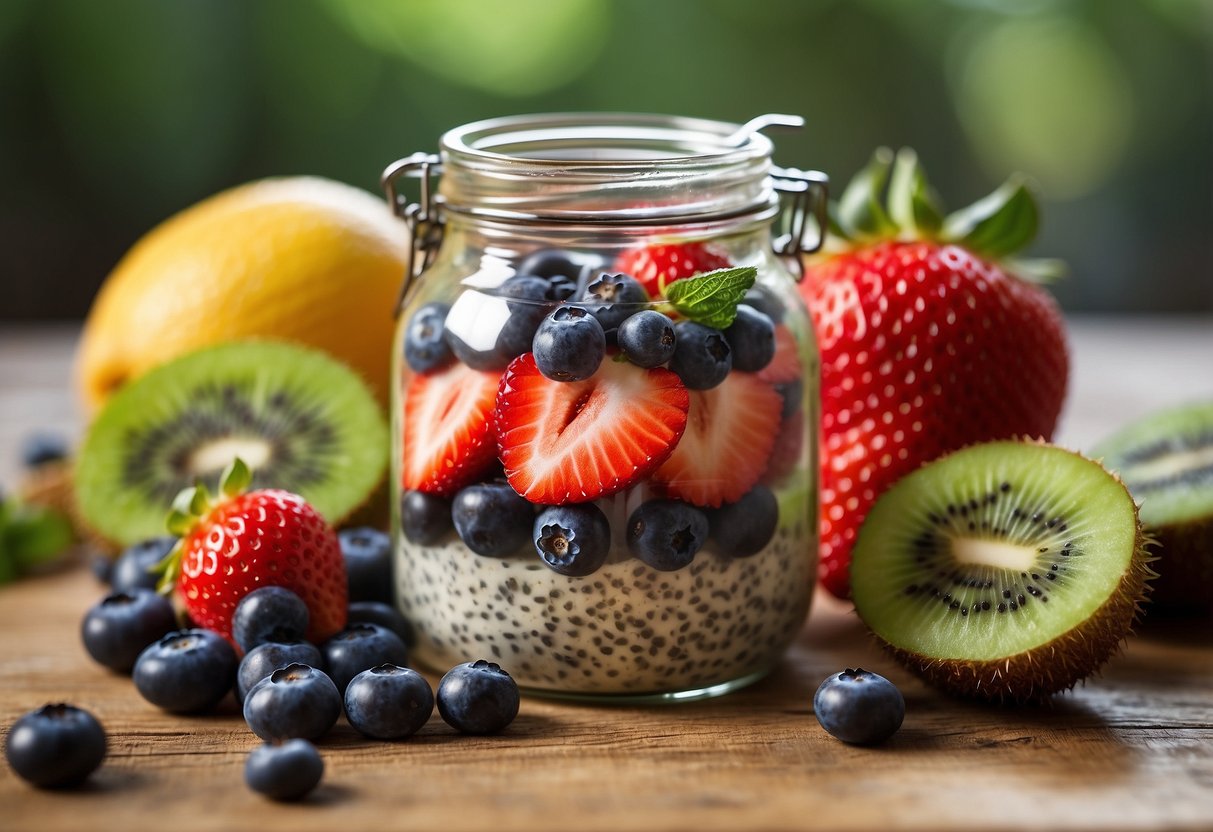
column 215, row 456
column 1175, row 464
column 994, row 553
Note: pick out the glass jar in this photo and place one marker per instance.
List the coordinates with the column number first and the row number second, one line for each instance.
column 600, row 528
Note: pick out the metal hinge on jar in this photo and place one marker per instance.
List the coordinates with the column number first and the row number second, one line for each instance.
column 423, row 218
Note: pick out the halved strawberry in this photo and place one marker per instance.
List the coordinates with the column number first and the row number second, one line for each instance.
column 658, row 266
column 785, row 366
column 730, row 432
column 571, row 442
column 448, row 429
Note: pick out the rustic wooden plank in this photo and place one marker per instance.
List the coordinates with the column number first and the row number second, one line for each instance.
column 1132, row 749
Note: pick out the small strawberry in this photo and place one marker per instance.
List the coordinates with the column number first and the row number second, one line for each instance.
column 571, row 442
column 448, row 437
column 730, row 431
column 658, row 266
column 240, row 541
column 928, row 342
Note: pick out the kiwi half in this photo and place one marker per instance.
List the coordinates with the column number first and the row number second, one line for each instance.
column 302, row 421
column 1006, row 571
column 1166, row 460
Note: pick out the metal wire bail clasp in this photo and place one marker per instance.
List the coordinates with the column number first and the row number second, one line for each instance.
column 808, row 192
column 424, row 217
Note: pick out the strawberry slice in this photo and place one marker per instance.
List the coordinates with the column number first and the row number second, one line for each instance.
column 658, row 266
column 571, row 442
column 448, row 429
column 730, row 432
column 785, row 366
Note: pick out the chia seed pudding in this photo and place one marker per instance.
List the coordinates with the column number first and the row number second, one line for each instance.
column 625, row 629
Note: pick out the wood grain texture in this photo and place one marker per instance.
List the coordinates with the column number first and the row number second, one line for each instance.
column 1132, row 749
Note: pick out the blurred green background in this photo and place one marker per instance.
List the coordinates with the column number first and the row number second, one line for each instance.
column 115, row 114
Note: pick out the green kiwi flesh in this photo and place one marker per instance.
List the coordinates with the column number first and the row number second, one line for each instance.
column 1166, row 460
column 303, row 421
column 1006, row 571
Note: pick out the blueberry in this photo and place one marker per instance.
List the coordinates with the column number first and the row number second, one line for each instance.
column 647, row 338
column 186, row 671
column 271, row 613
column 666, row 534
column 702, row 356
column 561, row 289
column 569, row 344
column 102, row 567
column 492, row 520
column 386, row 616
column 264, row 659
column 761, row 299
column 792, row 393
column 55, row 746
column 553, row 263
column 118, row 628
column 41, row 448
column 573, row 540
column 859, row 707
column 293, row 701
column 368, row 563
column 745, row 527
column 388, row 702
column 425, row 347
column 424, row 518
column 614, row 297
column 478, row 698
column 360, row 647
column 751, row 337
column 487, row 329
column 284, row 771
column 133, row 569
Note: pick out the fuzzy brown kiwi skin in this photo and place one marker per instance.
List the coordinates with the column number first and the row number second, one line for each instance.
column 1034, row 675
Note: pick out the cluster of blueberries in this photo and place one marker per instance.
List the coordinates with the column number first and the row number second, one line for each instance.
column 292, row 692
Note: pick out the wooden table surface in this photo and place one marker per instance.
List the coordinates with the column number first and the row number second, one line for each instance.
column 1132, row 749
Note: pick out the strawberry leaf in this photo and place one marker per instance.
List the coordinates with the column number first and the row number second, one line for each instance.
column 860, row 209
column 235, row 479
column 912, row 206
column 711, row 299
column 998, row 225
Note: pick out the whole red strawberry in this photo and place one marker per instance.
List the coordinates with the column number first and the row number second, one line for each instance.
column 928, row 343
column 241, row 541
column 658, row 266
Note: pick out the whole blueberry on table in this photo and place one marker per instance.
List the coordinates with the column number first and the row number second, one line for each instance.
column 424, row 518
column 647, row 338
column 264, row 659
column 491, row 519
column 569, row 344
column 55, row 746
column 272, row 613
column 859, row 707
column 386, row 616
column 284, row 771
column 294, row 701
column 360, row 647
column 666, row 534
column 745, row 527
column 101, row 565
column 133, row 569
column 186, row 671
column 388, row 702
column 425, row 347
column 751, row 336
column 368, row 563
column 572, row 540
column 478, row 698
column 117, row 629
column 613, row 297
column 702, row 355
column 41, row 448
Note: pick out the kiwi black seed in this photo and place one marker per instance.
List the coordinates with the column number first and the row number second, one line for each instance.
column 1034, row 599
column 1166, row 460
column 303, row 421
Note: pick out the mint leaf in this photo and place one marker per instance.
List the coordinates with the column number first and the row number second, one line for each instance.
column 711, row 298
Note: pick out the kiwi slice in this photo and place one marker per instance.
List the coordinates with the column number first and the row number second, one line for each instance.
column 1166, row 460
column 1006, row 571
column 303, row 421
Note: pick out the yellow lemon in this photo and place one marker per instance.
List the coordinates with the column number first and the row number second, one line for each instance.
column 298, row 259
